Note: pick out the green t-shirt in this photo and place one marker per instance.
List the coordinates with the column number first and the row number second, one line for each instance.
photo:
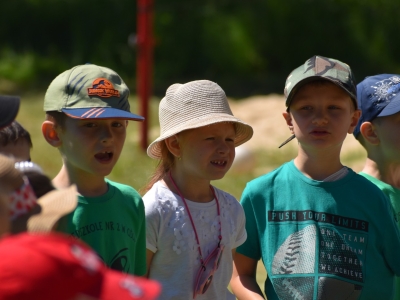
column 114, row 226
column 394, row 196
column 321, row 240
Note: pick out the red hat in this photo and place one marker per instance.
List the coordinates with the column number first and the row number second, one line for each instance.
column 55, row 266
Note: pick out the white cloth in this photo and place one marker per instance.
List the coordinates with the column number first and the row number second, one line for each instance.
column 171, row 237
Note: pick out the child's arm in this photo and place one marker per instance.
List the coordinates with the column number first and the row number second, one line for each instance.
column 243, row 282
column 149, row 259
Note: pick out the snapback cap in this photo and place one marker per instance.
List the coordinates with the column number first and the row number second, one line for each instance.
column 378, row 96
column 90, row 92
column 56, row 266
column 319, row 67
column 9, row 106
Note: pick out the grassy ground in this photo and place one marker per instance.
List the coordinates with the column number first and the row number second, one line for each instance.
column 134, row 166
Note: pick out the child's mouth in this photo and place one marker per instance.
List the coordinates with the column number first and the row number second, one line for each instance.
column 219, row 163
column 104, row 156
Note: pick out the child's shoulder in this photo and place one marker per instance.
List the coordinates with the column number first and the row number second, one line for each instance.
column 223, row 194
column 361, row 181
column 272, row 176
column 123, row 188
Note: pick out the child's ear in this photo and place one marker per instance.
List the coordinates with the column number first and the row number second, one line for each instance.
column 50, row 133
column 288, row 118
column 354, row 120
column 368, row 131
column 173, row 146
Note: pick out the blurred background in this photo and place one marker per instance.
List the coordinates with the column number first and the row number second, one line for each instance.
column 248, row 47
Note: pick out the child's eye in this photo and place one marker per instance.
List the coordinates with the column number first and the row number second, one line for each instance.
column 307, row 107
column 89, row 125
column 117, row 124
column 334, row 107
column 210, row 138
column 230, row 139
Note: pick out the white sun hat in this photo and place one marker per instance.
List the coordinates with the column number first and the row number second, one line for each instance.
column 192, row 105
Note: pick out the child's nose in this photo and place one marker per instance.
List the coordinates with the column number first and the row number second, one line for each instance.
column 320, row 117
column 106, row 134
column 223, row 147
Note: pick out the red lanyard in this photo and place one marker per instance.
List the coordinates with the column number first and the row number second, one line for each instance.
column 191, row 220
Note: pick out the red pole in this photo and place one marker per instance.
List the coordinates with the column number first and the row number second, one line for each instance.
column 144, row 63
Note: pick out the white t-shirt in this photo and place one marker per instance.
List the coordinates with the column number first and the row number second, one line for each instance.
column 170, row 236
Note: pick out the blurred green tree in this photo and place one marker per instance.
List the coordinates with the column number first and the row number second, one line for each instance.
column 249, row 47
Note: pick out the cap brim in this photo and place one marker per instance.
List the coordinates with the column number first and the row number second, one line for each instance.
column 9, row 106
column 314, row 78
column 121, row 286
column 54, row 205
column 392, row 108
column 244, row 132
column 101, row 113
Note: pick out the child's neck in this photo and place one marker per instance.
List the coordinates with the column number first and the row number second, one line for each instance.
column 88, row 186
column 386, row 172
column 192, row 189
column 318, row 166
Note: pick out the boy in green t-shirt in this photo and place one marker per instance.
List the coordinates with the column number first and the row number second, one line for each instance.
column 87, row 112
column 316, row 224
column 378, row 131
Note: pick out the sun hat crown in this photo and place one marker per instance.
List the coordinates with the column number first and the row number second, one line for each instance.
column 192, row 105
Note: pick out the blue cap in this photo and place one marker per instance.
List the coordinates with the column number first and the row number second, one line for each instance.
column 377, row 96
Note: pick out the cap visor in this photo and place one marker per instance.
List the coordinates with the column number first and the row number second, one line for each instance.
column 392, row 108
column 315, row 78
column 101, row 113
column 121, row 286
column 9, row 106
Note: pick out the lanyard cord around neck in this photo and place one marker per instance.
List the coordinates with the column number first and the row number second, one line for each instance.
column 191, row 220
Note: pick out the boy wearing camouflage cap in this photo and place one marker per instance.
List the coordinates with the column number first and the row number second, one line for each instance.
column 378, row 132
column 87, row 110
column 316, row 224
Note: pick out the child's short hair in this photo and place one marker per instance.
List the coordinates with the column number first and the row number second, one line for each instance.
column 14, row 132
column 377, row 96
column 9, row 106
column 89, row 92
column 57, row 117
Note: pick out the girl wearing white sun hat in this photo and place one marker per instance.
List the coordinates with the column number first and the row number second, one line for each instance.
column 192, row 227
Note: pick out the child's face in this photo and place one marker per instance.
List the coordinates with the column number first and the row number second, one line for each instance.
column 207, row 152
column 387, row 130
column 92, row 146
column 19, row 151
column 321, row 115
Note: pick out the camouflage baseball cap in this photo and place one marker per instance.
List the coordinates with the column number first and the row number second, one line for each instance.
column 316, row 68
column 319, row 67
column 89, row 92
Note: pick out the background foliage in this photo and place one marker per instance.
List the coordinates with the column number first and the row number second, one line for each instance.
column 249, row 47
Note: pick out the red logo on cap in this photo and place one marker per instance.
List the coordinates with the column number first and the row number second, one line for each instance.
column 103, row 88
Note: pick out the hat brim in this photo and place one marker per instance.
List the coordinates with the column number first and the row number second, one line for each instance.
column 121, row 286
column 392, row 108
column 244, row 132
column 53, row 206
column 101, row 113
column 302, row 82
column 9, row 107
